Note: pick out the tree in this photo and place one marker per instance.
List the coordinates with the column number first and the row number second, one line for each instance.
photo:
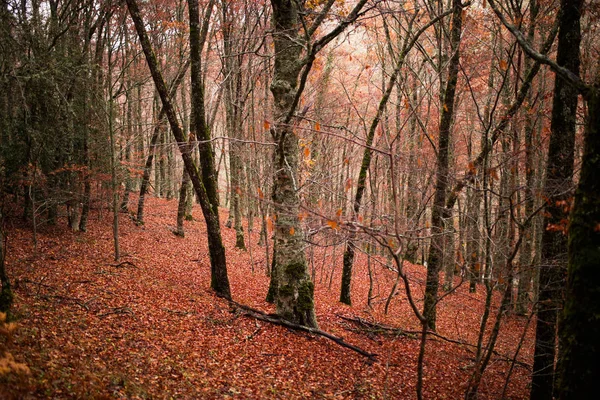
column 557, row 192
column 439, row 213
column 290, row 282
column 206, row 195
column 580, row 324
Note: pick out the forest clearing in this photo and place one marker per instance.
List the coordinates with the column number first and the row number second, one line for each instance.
column 300, row 199
column 151, row 327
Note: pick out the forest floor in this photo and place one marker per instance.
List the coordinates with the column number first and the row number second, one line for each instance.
column 152, row 328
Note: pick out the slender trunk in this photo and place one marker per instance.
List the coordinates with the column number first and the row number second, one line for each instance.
column 113, row 161
column 439, row 212
column 181, row 207
column 162, row 116
column 219, row 279
column 6, row 295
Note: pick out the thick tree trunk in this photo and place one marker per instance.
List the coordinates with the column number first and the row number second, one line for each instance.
column 294, row 288
column 557, row 191
column 578, row 369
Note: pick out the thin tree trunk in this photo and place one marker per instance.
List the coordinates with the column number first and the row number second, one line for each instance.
column 439, row 212
column 219, row 279
column 162, row 116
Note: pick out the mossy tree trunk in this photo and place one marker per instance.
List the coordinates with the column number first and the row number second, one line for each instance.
column 557, row 191
column 294, row 288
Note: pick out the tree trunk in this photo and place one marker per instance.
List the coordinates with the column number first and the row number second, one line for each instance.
column 155, row 135
column 438, row 213
column 181, row 207
column 578, row 369
column 294, row 289
column 219, row 279
column 6, row 295
column 557, row 191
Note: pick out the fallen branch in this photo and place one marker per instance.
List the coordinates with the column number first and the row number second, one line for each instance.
column 276, row 320
column 75, row 300
column 117, row 310
column 372, row 327
column 376, row 328
column 177, row 312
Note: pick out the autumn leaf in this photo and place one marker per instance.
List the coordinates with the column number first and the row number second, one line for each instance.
column 317, row 126
column 306, row 152
column 261, row 195
column 471, row 167
column 503, row 65
column 338, row 212
column 292, row 231
column 333, row 224
column 266, row 125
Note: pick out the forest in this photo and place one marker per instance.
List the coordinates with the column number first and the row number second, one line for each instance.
column 292, row 199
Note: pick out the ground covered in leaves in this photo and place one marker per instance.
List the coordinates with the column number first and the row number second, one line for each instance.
column 150, row 327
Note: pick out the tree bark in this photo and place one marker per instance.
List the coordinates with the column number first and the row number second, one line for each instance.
column 439, row 213
column 219, row 279
column 294, row 288
column 578, row 368
column 557, row 191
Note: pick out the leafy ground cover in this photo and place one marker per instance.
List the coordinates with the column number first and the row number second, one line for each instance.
column 151, row 328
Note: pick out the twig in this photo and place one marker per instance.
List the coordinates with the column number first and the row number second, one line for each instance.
column 177, row 312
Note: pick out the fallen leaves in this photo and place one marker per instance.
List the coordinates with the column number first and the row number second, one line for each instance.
column 157, row 330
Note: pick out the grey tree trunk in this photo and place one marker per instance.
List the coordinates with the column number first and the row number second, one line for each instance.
column 294, row 288
column 525, row 255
